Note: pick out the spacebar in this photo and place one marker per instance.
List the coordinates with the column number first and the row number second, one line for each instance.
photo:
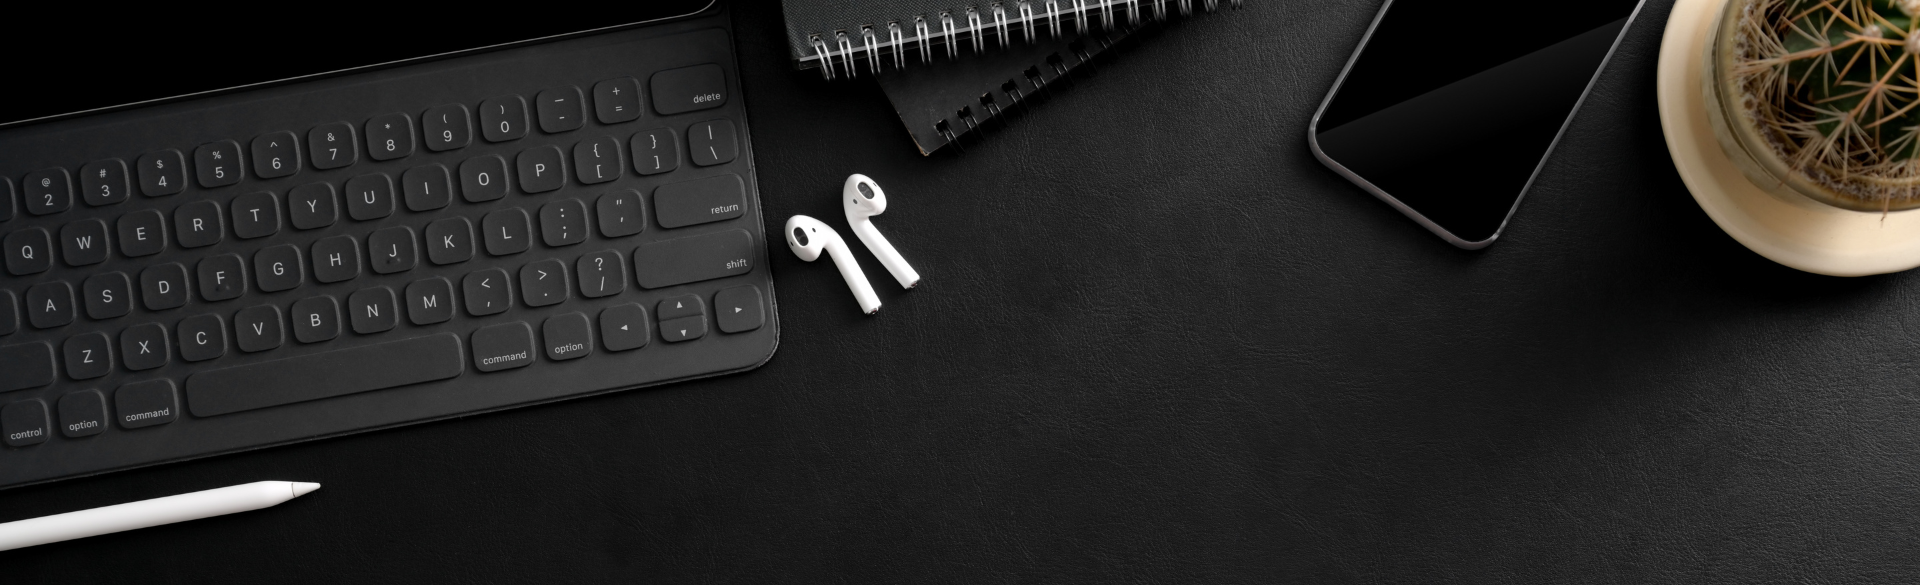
column 325, row 375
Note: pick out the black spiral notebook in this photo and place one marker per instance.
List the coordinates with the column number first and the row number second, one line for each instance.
column 952, row 69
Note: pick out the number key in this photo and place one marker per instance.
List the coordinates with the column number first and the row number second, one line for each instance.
column 104, row 182
column 390, row 136
column 275, row 155
column 447, row 127
column 332, row 145
column 48, row 191
column 503, row 118
column 217, row 163
column 163, row 173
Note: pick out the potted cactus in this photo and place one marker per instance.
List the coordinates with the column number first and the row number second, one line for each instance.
column 1820, row 99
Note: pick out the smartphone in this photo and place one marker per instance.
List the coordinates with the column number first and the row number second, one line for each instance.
column 1447, row 111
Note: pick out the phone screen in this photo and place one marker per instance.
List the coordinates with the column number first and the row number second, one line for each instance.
column 68, row 57
column 1450, row 109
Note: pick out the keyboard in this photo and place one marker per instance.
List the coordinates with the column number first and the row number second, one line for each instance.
column 385, row 247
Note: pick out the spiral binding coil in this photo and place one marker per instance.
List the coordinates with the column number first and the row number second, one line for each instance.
column 1001, row 19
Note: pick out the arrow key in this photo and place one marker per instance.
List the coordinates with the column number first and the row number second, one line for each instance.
column 738, row 309
column 624, row 327
column 681, row 306
column 683, row 329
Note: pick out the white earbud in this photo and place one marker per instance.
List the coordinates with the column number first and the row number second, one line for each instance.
column 808, row 236
column 864, row 199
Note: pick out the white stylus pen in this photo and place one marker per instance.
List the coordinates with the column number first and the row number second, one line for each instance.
column 154, row 512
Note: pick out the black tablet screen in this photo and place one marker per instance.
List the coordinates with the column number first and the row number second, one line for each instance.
column 1450, row 110
column 87, row 56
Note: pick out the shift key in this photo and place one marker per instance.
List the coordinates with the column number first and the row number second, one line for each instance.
column 693, row 258
column 699, row 201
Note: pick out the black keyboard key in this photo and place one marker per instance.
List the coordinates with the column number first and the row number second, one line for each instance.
column 222, row 277
column 487, row 292
column 563, row 223
column 390, row 136
column 679, row 307
column 332, row 146
column 217, row 164
column 278, row 268
column 275, row 155
column 712, row 143
column 9, row 313
column 107, row 295
column 621, row 214
column 683, row 329
column 24, row 423
column 84, row 242
column 689, row 89
column 146, row 404
column 316, row 319
column 370, row 197
column 501, row 347
column 739, row 309
column 503, row 118
column 597, row 160
column 88, row 355
column 256, row 215
column 450, row 240
column 104, row 182
column 199, row 224
column 29, row 251
column 83, row 414
column 6, row 199
column 142, row 233
column 624, row 327
column 162, row 173
column 483, row 179
column 373, row 310
column 258, row 328
column 700, row 201
column 693, row 258
column 48, row 191
column 560, row 110
column 447, row 127
column 50, row 304
column 324, row 375
column 507, row 231
column 543, row 283
column 655, row 151
column 567, row 337
column 202, row 337
column 336, row 259
column 145, row 347
column 29, row 365
column 427, row 187
column 541, row 169
column 392, row 250
column 313, row 206
column 430, row 301
column 602, row 274
column 163, row 286
column 616, row 100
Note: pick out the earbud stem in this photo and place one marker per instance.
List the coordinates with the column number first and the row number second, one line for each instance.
column 884, row 251
column 856, row 279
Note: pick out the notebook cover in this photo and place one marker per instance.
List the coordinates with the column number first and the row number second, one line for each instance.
column 946, row 100
column 806, row 18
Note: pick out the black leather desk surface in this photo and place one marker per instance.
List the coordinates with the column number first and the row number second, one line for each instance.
column 1158, row 342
